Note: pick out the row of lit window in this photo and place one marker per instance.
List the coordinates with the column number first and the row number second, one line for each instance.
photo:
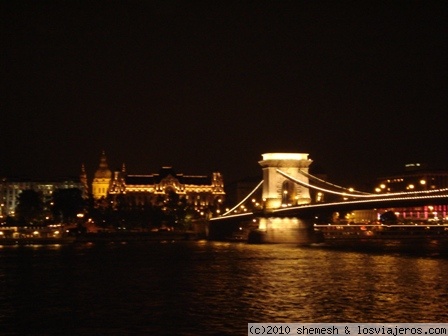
column 410, row 186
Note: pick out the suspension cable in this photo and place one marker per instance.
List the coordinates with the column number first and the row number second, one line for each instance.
column 331, row 184
column 357, row 195
column 250, row 194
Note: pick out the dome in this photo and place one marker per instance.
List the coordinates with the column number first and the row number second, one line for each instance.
column 103, row 171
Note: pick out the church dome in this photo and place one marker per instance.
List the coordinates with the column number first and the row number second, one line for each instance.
column 103, row 171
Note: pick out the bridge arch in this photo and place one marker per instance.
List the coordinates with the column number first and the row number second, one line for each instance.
column 278, row 191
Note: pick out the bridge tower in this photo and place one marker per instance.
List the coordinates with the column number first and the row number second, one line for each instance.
column 278, row 191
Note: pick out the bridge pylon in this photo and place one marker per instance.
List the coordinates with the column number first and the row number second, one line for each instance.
column 278, row 191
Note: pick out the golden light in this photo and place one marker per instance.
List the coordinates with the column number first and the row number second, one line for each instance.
column 422, row 182
column 285, row 156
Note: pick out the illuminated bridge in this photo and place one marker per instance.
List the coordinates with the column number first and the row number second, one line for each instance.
column 287, row 213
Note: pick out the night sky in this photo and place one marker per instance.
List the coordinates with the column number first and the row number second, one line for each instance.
column 209, row 86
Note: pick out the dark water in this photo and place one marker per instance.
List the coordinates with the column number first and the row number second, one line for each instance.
column 209, row 288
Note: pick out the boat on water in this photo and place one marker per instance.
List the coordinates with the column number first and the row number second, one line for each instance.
column 414, row 237
column 37, row 241
column 35, row 235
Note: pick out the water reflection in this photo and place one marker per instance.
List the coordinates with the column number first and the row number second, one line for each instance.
column 204, row 287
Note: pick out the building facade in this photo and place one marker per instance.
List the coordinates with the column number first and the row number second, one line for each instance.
column 416, row 177
column 102, row 179
column 10, row 189
column 199, row 191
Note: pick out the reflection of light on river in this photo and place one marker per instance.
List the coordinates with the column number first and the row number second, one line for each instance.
column 209, row 288
column 284, row 283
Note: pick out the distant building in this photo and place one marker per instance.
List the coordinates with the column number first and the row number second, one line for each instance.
column 199, row 190
column 416, row 177
column 10, row 188
column 102, row 179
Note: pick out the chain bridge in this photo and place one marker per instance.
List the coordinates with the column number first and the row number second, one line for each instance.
column 293, row 203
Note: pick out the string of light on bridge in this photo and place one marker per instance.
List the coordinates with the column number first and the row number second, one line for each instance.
column 377, row 197
column 385, row 199
column 331, row 184
column 244, row 200
column 408, row 193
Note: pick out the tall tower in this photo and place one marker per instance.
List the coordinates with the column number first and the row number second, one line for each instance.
column 102, row 179
column 278, row 191
column 118, row 182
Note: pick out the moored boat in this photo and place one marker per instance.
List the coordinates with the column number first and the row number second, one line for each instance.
column 415, row 237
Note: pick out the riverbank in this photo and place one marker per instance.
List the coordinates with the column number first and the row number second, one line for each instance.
column 103, row 237
column 137, row 236
column 37, row 240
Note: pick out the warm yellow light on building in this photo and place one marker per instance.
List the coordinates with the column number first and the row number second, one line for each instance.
column 422, row 182
column 285, row 156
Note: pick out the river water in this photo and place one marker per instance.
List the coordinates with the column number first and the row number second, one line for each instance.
column 210, row 288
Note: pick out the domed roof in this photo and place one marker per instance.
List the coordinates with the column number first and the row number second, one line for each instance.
column 103, row 170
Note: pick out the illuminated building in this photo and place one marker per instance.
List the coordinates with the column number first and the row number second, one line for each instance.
column 102, row 179
column 416, row 177
column 201, row 191
column 10, row 188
